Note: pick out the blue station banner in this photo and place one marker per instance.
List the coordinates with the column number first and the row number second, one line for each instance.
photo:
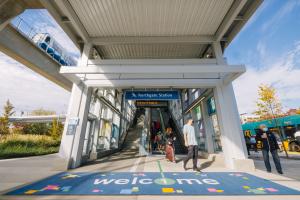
column 151, row 95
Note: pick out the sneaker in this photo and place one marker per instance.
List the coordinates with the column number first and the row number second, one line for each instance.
column 196, row 170
column 269, row 171
column 280, row 172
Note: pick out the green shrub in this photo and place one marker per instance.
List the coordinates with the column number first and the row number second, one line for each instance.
column 16, row 145
column 36, row 128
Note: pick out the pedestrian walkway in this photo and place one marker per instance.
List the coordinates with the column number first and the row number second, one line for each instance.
column 128, row 175
column 125, row 173
column 289, row 165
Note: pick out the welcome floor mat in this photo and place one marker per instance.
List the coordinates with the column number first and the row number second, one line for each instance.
column 154, row 183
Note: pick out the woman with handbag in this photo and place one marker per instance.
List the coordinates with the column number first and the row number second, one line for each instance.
column 170, row 150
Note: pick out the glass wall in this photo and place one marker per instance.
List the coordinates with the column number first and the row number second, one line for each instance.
column 110, row 121
column 211, row 109
column 198, row 103
column 199, row 126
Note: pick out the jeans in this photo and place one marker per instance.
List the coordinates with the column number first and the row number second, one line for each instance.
column 275, row 159
column 192, row 153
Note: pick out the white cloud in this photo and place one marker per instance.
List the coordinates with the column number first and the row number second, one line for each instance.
column 283, row 74
column 273, row 22
column 28, row 90
column 261, row 49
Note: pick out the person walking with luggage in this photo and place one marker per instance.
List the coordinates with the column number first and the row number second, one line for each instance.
column 170, row 150
column 269, row 144
column 191, row 143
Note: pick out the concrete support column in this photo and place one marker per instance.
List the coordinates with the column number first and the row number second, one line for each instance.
column 232, row 138
column 72, row 142
column 73, row 138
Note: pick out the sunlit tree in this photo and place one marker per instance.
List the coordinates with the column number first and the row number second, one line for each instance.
column 4, row 119
column 268, row 104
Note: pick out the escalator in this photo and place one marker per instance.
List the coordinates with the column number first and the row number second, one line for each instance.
column 167, row 121
column 132, row 141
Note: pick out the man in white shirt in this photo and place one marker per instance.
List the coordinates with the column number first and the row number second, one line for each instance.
column 191, row 143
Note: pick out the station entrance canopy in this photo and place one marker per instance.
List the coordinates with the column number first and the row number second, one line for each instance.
column 167, row 44
column 129, row 43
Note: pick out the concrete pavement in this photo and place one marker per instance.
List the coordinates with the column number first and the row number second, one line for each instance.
column 290, row 165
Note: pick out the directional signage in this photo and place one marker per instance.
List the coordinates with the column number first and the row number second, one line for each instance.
column 151, row 103
column 151, row 95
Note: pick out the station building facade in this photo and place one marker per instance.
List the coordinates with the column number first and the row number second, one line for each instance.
column 175, row 47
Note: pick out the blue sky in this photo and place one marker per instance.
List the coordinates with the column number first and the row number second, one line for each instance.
column 269, row 46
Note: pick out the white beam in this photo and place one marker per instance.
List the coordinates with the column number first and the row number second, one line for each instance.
column 218, row 53
column 190, row 39
column 231, row 15
column 67, row 9
column 157, row 83
column 158, row 69
column 85, row 54
column 146, row 76
column 151, row 61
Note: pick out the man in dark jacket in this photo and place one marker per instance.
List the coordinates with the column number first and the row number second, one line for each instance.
column 268, row 143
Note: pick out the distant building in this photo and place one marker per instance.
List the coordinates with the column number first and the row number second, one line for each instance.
column 249, row 118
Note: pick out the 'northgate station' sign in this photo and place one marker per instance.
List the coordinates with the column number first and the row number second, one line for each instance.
column 151, row 95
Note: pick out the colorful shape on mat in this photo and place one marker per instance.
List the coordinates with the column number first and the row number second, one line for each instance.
column 167, row 190
column 255, row 191
column 70, row 176
column 97, row 190
column 125, row 191
column 66, row 188
column 135, row 189
column 211, row 189
column 179, row 191
column 246, row 178
column 271, row 189
column 51, row 187
column 220, row 191
column 261, row 189
column 246, row 187
column 30, row 191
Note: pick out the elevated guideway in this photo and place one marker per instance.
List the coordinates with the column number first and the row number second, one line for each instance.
column 20, row 44
column 18, row 47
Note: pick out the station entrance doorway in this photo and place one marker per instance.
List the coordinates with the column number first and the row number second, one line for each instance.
column 164, row 117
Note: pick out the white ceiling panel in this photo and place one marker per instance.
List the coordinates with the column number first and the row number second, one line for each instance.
column 150, row 51
column 150, row 17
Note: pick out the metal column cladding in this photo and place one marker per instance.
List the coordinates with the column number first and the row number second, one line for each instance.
column 151, row 95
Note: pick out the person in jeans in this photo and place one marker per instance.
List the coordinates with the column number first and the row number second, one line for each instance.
column 191, row 143
column 269, row 144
